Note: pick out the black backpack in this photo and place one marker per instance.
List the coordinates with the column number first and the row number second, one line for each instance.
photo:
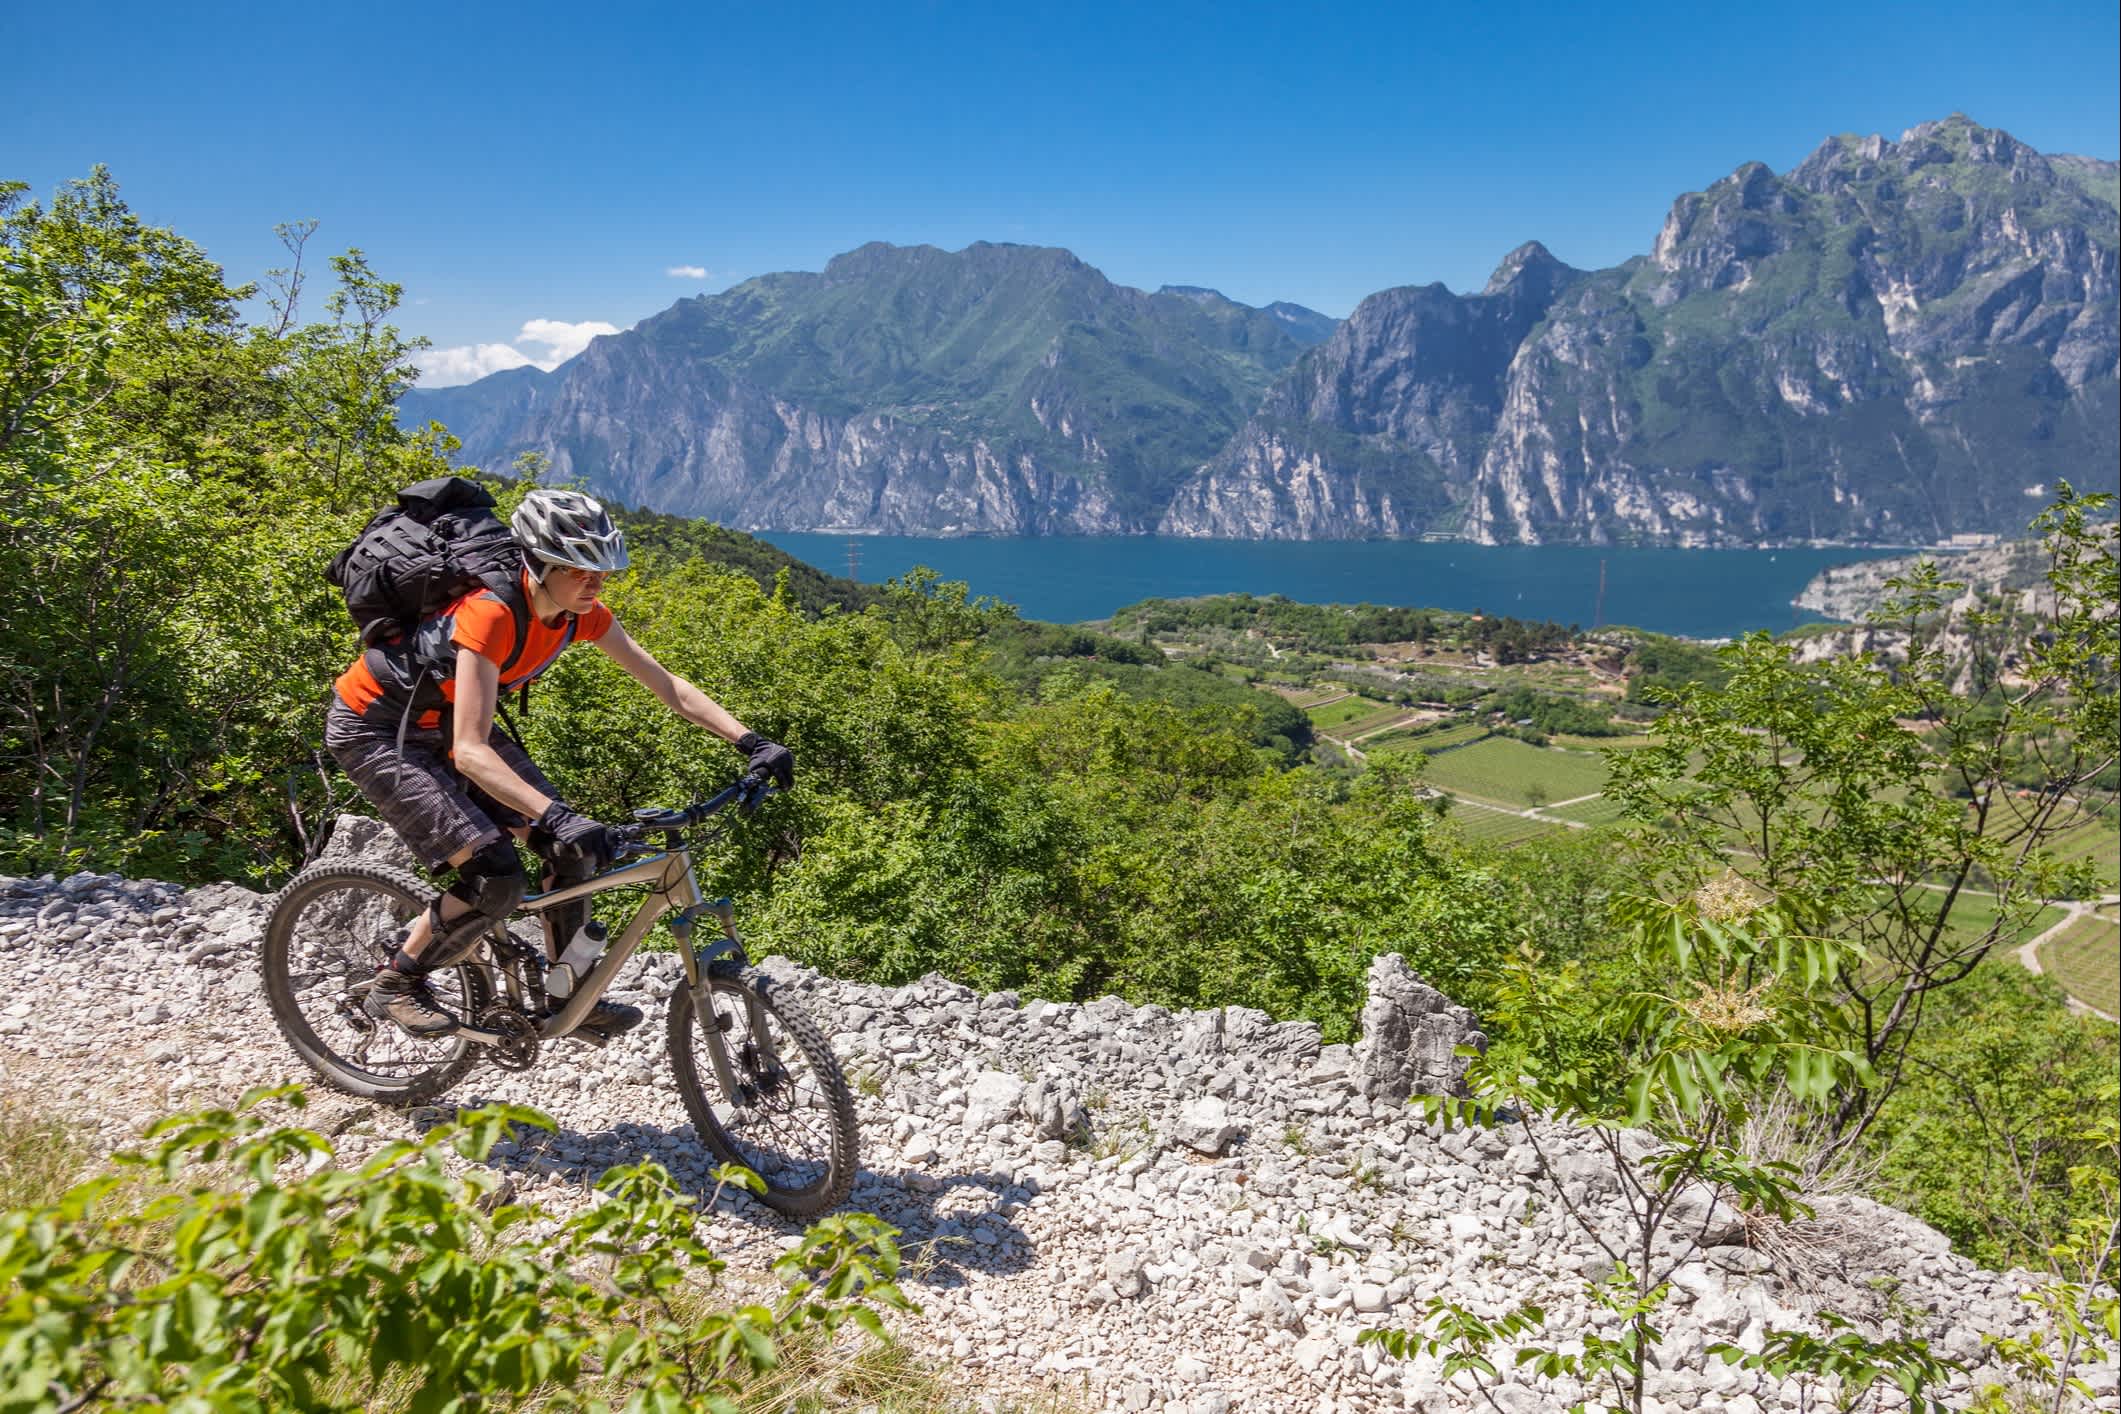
column 440, row 542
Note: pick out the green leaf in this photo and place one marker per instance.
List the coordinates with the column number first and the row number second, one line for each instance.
column 1639, row 1098
column 759, row 1348
column 1680, row 1078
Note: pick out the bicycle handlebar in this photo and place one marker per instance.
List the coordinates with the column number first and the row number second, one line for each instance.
column 749, row 790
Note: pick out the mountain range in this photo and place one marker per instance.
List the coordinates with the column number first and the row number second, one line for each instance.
column 1895, row 342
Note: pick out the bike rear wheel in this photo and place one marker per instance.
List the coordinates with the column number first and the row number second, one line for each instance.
column 331, row 928
column 791, row 1119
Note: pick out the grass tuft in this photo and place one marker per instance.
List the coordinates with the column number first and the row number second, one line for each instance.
column 40, row 1156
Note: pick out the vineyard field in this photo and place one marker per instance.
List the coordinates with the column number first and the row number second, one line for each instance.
column 1508, row 771
column 2086, row 959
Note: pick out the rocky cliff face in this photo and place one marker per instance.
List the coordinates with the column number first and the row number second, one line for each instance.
column 2017, row 572
column 997, row 389
column 1373, row 431
column 700, row 441
column 1894, row 342
column 1194, row 1212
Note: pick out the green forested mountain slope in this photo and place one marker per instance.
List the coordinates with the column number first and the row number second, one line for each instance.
column 1890, row 343
column 904, row 388
column 659, row 541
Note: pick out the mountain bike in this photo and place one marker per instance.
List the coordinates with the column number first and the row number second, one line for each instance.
column 781, row 1106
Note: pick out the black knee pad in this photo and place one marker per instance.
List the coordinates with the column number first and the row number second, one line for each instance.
column 492, row 881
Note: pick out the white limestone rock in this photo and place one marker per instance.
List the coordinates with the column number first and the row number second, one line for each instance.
column 1204, row 1125
column 1410, row 1035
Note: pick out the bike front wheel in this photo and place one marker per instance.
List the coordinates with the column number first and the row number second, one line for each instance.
column 330, row 929
column 784, row 1110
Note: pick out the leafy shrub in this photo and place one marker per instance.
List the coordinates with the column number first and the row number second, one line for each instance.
column 232, row 1267
column 1661, row 664
column 1985, row 1135
column 1550, row 714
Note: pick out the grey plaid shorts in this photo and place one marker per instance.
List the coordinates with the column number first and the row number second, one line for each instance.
column 434, row 809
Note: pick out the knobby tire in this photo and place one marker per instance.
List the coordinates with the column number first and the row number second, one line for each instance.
column 406, row 895
column 830, row 1145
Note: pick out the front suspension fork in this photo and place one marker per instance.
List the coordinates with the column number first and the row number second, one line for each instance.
column 728, row 945
column 715, row 1025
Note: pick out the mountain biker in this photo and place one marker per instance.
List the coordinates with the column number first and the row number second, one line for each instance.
column 411, row 723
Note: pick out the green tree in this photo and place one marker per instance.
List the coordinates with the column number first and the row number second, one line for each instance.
column 1875, row 801
column 212, row 1272
column 2078, row 1306
column 1990, row 1123
column 1733, row 1005
column 171, row 482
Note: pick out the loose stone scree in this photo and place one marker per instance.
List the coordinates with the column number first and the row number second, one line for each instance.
column 1194, row 1211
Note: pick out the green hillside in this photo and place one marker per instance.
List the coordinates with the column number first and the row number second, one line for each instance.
column 1012, row 343
column 1066, row 813
column 994, row 338
column 662, row 539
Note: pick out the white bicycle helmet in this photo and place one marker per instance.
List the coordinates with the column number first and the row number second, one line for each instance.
column 567, row 528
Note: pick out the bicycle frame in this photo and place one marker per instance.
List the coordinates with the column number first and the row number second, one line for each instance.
column 674, row 890
column 671, row 887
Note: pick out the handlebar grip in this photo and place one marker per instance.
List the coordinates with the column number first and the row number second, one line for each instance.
column 750, row 788
column 755, row 787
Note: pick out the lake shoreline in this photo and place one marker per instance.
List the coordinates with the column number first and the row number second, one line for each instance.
column 1700, row 594
column 1881, row 547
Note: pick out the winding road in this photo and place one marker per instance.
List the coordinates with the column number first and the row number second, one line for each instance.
column 2029, row 950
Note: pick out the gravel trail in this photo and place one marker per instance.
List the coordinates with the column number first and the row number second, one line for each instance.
column 1195, row 1212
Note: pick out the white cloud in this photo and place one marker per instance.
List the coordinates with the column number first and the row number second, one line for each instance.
column 687, row 272
column 554, row 341
column 562, row 340
column 444, row 368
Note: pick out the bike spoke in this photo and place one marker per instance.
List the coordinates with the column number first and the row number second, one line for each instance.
column 335, row 943
column 785, row 1133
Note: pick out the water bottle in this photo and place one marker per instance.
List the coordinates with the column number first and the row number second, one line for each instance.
column 581, row 955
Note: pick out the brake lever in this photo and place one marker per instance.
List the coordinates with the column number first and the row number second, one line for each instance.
column 756, row 788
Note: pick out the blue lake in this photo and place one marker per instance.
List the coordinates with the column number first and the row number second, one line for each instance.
column 1697, row 593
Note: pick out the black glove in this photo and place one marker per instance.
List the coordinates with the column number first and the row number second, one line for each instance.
column 563, row 834
column 769, row 758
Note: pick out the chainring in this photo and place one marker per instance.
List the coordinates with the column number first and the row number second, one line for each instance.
column 518, row 1047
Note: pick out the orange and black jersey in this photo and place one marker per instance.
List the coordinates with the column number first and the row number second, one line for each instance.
column 420, row 668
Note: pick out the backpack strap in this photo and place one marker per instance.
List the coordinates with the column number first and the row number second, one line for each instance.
column 508, row 723
column 518, row 605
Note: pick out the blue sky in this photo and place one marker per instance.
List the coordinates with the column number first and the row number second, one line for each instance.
column 533, row 172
